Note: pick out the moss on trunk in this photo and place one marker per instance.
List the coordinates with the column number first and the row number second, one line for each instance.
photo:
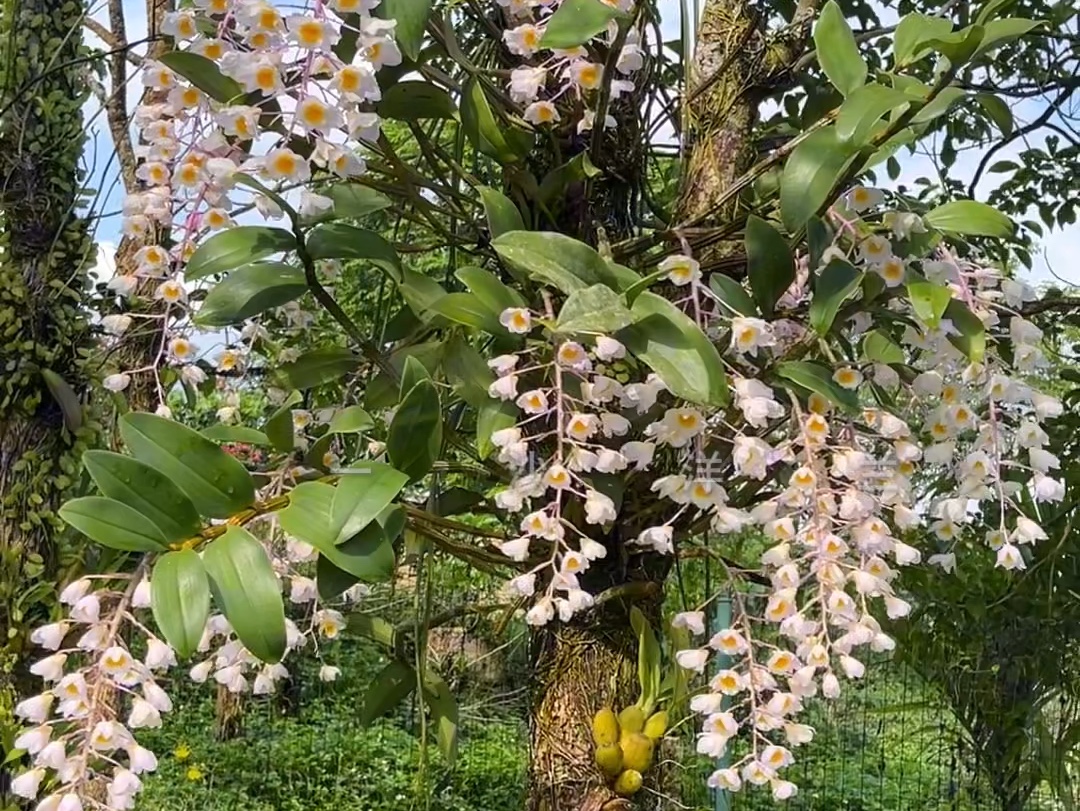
column 45, row 254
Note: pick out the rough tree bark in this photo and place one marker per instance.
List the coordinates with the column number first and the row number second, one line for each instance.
column 45, row 254
column 591, row 662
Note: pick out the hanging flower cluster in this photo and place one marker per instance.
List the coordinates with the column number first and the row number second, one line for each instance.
column 557, row 77
column 285, row 107
column 100, row 674
column 925, row 413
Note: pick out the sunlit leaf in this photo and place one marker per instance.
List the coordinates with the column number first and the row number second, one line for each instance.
column 576, row 22
column 216, row 482
column 837, row 52
column 674, row 347
column 148, row 492
column 249, row 291
column 114, row 524
column 339, row 240
column 818, row 379
column 246, row 589
column 596, row 309
column 240, row 245
column 970, row 218
column 811, row 175
column 180, row 599
column 501, row 213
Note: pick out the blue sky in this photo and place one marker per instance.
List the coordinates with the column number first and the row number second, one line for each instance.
column 1053, row 263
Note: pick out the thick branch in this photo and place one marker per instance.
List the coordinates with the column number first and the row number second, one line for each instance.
column 106, row 36
column 116, row 105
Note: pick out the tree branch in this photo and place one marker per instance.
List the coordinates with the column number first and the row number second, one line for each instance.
column 116, row 111
column 1029, row 128
column 106, row 36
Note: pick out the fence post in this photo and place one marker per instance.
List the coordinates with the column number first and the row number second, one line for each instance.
column 719, row 619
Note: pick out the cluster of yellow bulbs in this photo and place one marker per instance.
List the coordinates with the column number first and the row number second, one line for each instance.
column 625, row 745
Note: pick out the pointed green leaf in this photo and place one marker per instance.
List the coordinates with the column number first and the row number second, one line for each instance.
column 412, row 18
column 247, row 592
column 648, row 660
column 878, row 347
column 576, row 22
column 330, row 581
column 113, row 524
column 339, row 240
column 1001, row 32
column 838, row 280
column 733, row 295
column 837, row 52
column 467, row 309
column 864, row 108
column 415, row 437
column 817, row 378
column 388, row 689
column 999, row 112
column 912, row 35
column 940, row 105
column 354, row 200
column 674, row 347
column 970, row 218
column 811, row 175
column 929, row 301
column 279, row 425
column 235, row 433
column 443, row 707
column 559, row 261
column 249, row 291
column 351, row 420
column 318, row 367
column 326, row 516
column 488, row 290
column 65, row 397
column 215, row 482
column 596, row 309
column 368, row 555
column 144, row 489
column 415, row 101
column 501, row 213
column 240, row 245
column 971, row 339
column 203, row 74
column 770, row 264
column 180, row 599
column 483, row 130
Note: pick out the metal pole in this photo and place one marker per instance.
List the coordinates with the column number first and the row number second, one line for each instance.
column 720, row 619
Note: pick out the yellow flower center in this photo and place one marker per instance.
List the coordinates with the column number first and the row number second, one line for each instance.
column 349, row 79
column 284, row 163
column 266, row 77
column 309, row 34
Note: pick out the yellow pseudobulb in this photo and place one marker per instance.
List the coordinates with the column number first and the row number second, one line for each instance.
column 631, row 719
column 637, row 751
column 609, row 759
column 605, row 728
column 656, row 726
column 628, row 783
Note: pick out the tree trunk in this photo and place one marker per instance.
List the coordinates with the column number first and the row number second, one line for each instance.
column 581, row 666
column 45, row 367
